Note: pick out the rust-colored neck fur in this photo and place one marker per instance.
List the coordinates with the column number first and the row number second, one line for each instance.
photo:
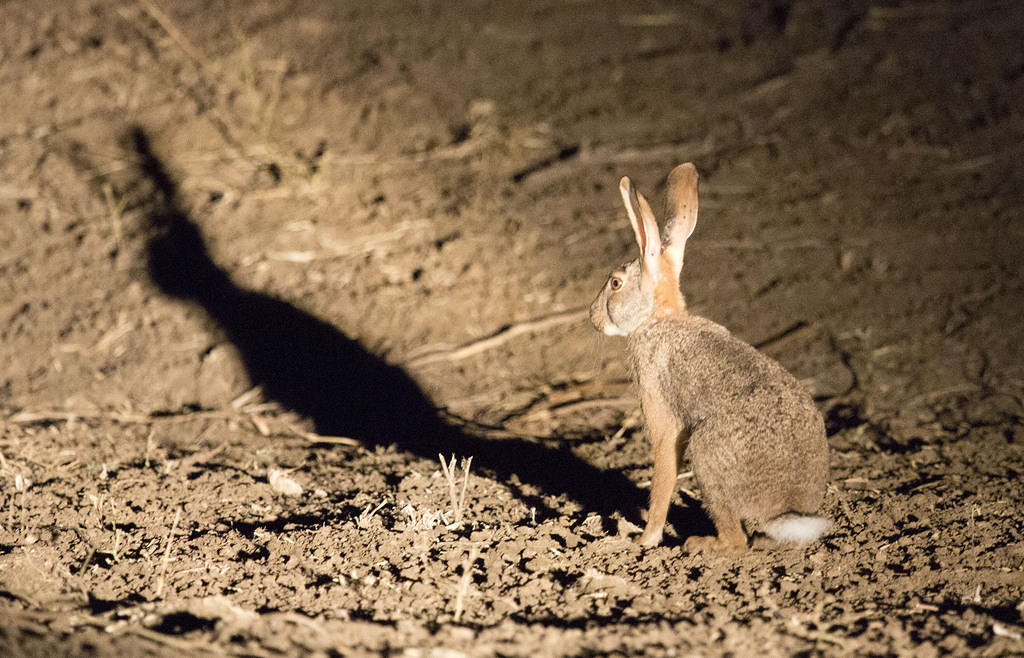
column 668, row 299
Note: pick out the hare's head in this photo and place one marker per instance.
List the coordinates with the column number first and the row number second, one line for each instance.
column 648, row 288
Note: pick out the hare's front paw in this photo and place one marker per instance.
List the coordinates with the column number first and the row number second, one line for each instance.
column 651, row 537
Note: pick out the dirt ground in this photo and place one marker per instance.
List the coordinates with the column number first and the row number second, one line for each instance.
column 261, row 264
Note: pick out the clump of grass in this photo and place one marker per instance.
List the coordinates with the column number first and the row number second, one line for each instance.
column 458, row 498
column 425, row 519
column 363, row 520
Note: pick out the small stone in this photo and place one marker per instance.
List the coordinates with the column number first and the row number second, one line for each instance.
column 281, row 483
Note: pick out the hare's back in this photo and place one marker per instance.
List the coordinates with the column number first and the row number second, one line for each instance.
column 710, row 377
column 732, row 377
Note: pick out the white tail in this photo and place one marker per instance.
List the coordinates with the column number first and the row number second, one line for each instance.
column 799, row 528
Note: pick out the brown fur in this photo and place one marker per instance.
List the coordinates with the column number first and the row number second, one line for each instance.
column 663, row 430
column 668, row 299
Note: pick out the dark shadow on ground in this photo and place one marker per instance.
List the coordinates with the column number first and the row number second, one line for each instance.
column 313, row 368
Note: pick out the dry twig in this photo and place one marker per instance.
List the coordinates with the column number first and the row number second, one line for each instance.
column 500, row 337
column 28, row 417
column 313, row 437
column 71, row 415
column 359, row 246
column 577, row 405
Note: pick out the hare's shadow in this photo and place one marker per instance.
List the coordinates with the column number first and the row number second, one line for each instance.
column 313, row 368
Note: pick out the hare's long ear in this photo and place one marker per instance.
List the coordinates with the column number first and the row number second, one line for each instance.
column 645, row 227
column 681, row 209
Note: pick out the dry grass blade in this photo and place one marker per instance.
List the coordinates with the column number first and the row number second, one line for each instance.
column 467, row 576
column 172, row 30
column 313, row 437
column 465, row 484
column 167, row 554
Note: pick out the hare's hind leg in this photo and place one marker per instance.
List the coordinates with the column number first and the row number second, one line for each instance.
column 730, row 539
column 663, row 431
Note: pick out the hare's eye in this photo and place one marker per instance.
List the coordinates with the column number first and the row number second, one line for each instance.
column 615, row 283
